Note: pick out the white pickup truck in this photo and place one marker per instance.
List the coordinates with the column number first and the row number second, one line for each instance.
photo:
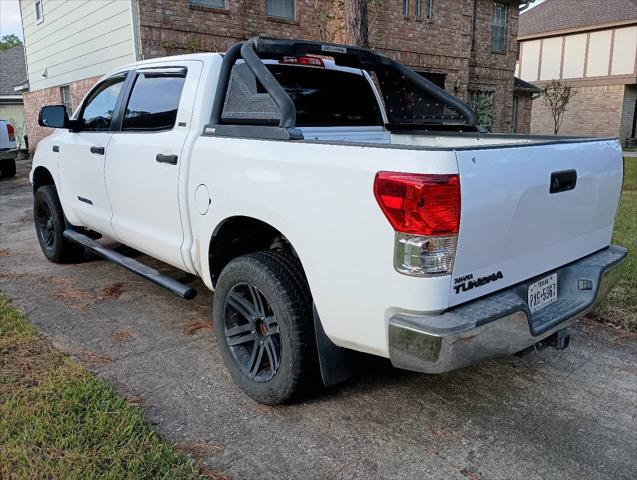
column 336, row 202
column 8, row 150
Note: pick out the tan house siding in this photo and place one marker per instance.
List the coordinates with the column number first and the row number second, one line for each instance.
column 592, row 57
column 593, row 111
column 598, row 59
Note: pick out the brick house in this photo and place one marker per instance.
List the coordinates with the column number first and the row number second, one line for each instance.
column 468, row 47
column 591, row 46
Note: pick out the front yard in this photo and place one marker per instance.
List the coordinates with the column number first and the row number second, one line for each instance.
column 59, row 421
column 620, row 309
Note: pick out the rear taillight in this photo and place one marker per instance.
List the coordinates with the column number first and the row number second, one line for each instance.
column 11, row 132
column 424, row 210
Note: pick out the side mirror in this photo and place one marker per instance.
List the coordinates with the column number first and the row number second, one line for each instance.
column 54, row 116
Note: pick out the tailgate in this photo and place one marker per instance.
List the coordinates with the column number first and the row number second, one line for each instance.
column 513, row 228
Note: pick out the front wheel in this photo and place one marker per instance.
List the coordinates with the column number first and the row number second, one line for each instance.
column 264, row 327
column 50, row 225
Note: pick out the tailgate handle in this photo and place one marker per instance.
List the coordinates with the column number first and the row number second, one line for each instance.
column 169, row 159
column 563, row 181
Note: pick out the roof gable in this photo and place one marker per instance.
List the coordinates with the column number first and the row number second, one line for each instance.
column 557, row 15
column 12, row 69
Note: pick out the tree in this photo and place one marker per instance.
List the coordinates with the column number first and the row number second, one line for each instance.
column 556, row 97
column 357, row 23
column 483, row 106
column 9, row 41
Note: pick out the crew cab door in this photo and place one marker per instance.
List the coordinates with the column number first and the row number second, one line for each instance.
column 144, row 160
column 82, row 154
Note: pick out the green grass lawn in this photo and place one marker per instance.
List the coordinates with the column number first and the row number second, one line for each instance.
column 620, row 308
column 59, row 421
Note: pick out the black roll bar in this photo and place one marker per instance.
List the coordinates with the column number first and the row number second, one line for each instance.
column 256, row 48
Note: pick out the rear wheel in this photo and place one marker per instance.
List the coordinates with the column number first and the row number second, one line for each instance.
column 264, row 326
column 7, row 170
column 50, row 225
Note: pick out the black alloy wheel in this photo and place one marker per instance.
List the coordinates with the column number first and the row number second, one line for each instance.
column 252, row 332
column 46, row 226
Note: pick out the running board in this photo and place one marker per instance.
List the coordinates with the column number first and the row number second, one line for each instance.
column 134, row 266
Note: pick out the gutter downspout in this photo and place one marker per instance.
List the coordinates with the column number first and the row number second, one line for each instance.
column 135, row 30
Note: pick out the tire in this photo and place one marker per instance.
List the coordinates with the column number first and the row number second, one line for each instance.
column 50, row 225
column 8, row 169
column 263, row 321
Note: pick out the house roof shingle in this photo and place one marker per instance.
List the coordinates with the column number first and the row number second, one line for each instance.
column 557, row 15
column 520, row 85
column 12, row 69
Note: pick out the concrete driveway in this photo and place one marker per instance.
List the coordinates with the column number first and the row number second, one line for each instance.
column 547, row 414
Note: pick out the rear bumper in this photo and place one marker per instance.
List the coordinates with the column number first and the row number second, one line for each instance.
column 8, row 155
column 501, row 323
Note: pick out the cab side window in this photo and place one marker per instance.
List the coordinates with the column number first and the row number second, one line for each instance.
column 154, row 102
column 98, row 110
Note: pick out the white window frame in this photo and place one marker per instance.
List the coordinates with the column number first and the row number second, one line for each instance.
column 39, row 19
column 284, row 17
column 406, row 8
column 208, row 4
column 429, row 6
column 497, row 5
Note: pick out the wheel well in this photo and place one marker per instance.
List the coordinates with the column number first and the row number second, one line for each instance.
column 41, row 177
column 240, row 236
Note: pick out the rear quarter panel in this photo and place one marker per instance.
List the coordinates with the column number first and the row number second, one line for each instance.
column 320, row 196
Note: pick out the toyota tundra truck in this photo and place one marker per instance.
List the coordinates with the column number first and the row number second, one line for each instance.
column 336, row 202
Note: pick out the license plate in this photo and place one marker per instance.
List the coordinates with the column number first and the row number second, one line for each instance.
column 543, row 293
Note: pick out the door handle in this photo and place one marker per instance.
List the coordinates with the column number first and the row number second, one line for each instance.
column 170, row 159
column 563, row 181
column 97, row 150
column 56, row 148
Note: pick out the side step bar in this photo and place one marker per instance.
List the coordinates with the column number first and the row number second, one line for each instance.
column 134, row 266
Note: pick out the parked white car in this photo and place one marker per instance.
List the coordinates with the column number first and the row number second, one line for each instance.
column 8, row 151
column 336, row 202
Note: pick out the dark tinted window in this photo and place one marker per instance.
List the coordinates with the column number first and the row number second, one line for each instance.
column 328, row 97
column 99, row 107
column 153, row 102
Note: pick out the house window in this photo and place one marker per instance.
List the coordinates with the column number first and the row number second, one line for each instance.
column 405, row 8
column 65, row 97
column 209, row 3
column 498, row 27
column 428, row 6
column 39, row 12
column 481, row 101
column 281, row 9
